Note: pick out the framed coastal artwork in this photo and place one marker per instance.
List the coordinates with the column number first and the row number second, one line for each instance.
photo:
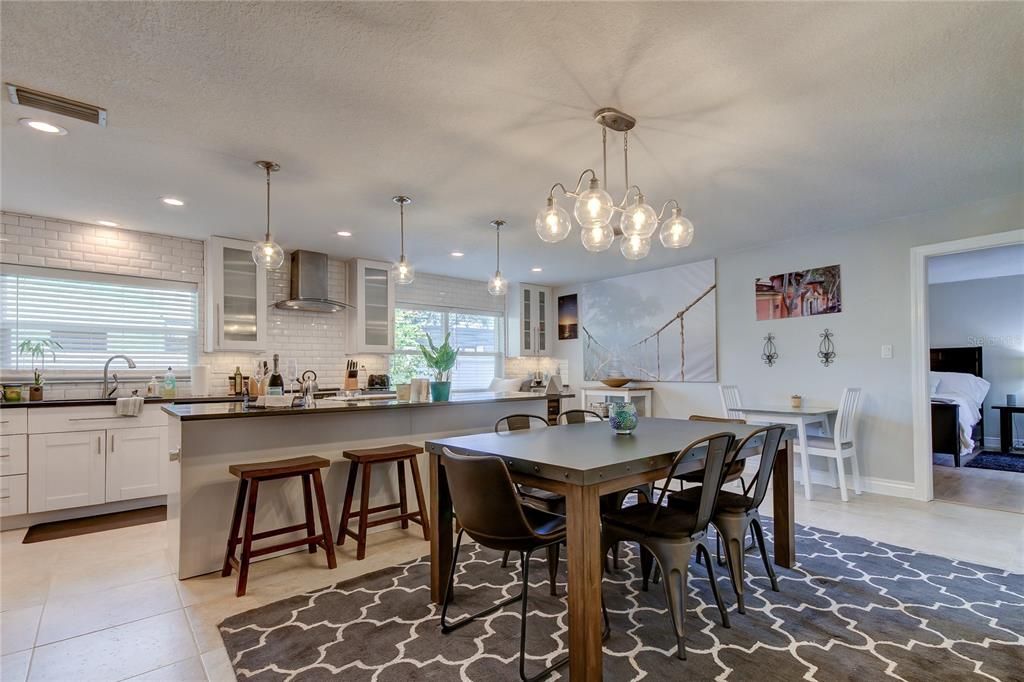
column 651, row 326
column 568, row 318
column 801, row 293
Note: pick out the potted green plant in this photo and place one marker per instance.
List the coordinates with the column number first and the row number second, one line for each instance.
column 441, row 359
column 38, row 349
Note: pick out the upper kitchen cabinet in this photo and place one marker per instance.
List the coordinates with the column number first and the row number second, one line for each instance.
column 236, row 297
column 372, row 293
column 529, row 320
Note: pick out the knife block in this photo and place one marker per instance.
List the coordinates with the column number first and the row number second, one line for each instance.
column 351, row 384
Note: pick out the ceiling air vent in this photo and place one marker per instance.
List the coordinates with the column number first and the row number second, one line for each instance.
column 57, row 104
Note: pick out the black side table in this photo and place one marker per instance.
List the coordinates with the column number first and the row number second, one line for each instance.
column 1006, row 413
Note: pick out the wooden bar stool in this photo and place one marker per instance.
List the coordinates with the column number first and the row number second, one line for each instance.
column 307, row 468
column 366, row 459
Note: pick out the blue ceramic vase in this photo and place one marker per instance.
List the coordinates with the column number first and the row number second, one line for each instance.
column 622, row 417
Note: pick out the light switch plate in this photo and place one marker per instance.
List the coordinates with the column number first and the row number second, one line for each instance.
column 887, row 351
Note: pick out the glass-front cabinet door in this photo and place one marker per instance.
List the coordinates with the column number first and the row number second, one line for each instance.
column 541, row 331
column 527, row 327
column 372, row 292
column 529, row 320
column 236, row 308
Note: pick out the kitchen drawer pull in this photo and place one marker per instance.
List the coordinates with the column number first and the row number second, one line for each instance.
column 5, row 497
column 92, row 419
column 4, row 456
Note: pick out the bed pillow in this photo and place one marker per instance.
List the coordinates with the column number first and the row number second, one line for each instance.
column 504, row 385
column 933, row 383
column 969, row 385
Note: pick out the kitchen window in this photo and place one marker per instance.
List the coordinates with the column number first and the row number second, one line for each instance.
column 477, row 334
column 93, row 316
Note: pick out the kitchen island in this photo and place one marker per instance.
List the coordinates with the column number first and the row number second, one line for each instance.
column 205, row 438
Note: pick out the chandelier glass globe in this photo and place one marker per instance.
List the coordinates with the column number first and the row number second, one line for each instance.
column 597, row 237
column 403, row 272
column 553, row 223
column 639, row 220
column 635, row 248
column 497, row 285
column 677, row 231
column 594, row 206
column 268, row 254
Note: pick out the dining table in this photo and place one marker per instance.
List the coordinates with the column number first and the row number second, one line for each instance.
column 799, row 417
column 583, row 462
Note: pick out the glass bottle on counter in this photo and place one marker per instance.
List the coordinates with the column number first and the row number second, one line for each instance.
column 276, row 383
column 238, row 381
column 170, row 387
column 153, row 388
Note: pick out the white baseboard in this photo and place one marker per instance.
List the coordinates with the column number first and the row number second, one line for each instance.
column 869, row 484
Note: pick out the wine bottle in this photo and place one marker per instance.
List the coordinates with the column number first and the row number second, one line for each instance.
column 237, row 383
column 276, row 385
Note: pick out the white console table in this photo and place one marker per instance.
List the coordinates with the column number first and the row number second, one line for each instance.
column 645, row 408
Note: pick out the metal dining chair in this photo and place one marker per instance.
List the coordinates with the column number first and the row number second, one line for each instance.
column 670, row 536
column 542, row 499
column 577, row 417
column 491, row 514
column 735, row 514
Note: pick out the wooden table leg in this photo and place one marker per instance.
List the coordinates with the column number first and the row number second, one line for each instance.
column 782, row 506
column 583, row 521
column 440, row 530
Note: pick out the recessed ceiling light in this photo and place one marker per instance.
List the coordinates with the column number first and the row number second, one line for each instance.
column 171, row 201
column 536, row 269
column 344, row 233
column 107, row 223
column 42, row 126
column 457, row 254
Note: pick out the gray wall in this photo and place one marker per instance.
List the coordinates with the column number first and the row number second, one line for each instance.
column 988, row 313
column 875, row 264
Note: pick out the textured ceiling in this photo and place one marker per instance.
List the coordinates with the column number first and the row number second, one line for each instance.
column 767, row 121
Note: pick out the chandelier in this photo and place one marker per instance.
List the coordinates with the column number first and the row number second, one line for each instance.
column 595, row 210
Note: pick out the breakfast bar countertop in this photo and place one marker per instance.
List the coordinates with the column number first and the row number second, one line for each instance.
column 237, row 410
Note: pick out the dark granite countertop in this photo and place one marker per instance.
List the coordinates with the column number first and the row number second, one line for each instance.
column 182, row 400
column 237, row 410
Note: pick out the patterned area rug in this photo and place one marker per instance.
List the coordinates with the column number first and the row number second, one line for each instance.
column 999, row 461
column 853, row 610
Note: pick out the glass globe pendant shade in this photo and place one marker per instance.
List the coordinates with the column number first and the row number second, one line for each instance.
column 594, row 206
column 497, row 285
column 639, row 220
column 677, row 231
column 597, row 237
column 268, row 254
column 403, row 272
column 635, row 248
column 552, row 223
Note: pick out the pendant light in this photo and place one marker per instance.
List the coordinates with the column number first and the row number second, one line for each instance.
column 268, row 253
column 497, row 285
column 402, row 271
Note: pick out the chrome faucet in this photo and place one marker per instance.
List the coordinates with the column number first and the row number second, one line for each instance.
column 106, row 368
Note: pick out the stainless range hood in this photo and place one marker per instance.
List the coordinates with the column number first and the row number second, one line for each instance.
column 309, row 285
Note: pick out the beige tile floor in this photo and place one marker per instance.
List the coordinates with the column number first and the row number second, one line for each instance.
column 107, row 607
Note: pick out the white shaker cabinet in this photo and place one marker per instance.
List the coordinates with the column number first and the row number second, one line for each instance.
column 136, row 463
column 236, row 297
column 66, row 470
column 372, row 293
column 529, row 320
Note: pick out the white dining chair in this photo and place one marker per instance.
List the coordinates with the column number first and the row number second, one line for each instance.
column 732, row 405
column 841, row 445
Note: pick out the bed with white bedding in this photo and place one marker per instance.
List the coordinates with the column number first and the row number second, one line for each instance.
column 958, row 394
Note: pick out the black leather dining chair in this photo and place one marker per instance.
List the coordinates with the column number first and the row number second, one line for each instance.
column 491, row 514
column 736, row 514
column 671, row 535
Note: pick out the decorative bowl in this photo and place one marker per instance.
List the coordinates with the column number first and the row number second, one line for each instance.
column 615, row 382
column 622, row 417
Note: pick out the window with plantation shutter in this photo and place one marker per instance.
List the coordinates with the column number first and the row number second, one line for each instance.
column 93, row 316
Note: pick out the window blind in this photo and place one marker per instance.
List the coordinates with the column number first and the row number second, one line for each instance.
column 93, row 316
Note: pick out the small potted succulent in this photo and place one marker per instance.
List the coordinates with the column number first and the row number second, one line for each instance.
column 38, row 349
column 440, row 359
column 796, row 401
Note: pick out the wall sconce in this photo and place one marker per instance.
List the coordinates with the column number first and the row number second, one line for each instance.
column 826, row 349
column 769, row 353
